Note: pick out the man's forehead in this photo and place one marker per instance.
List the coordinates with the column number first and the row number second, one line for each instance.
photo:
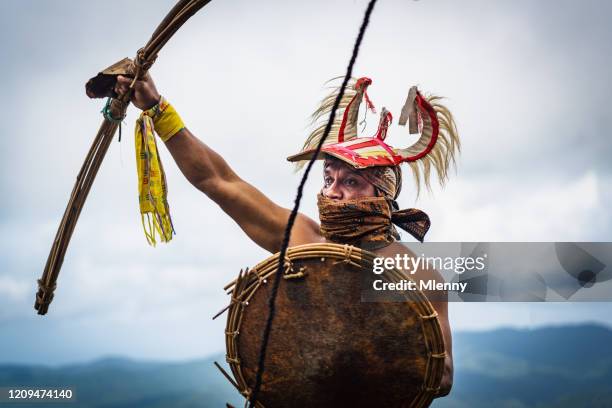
column 330, row 165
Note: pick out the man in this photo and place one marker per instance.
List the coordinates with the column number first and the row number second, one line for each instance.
column 362, row 179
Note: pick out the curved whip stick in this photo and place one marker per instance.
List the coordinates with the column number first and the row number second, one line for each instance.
column 298, row 198
column 114, row 112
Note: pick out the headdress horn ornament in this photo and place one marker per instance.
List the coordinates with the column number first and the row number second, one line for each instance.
column 436, row 146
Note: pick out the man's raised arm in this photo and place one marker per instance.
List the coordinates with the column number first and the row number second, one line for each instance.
column 259, row 217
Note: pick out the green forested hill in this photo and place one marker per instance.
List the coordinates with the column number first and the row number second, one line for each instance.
column 556, row 367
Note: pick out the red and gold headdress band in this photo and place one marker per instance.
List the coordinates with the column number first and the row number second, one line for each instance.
column 436, row 146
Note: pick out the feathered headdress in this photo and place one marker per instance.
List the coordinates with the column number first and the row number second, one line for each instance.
column 435, row 148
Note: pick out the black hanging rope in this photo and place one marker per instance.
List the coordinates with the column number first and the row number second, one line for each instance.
column 294, row 212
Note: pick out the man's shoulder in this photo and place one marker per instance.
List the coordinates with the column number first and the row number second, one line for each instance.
column 393, row 249
column 305, row 231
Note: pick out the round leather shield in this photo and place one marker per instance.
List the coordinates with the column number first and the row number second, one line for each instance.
column 328, row 347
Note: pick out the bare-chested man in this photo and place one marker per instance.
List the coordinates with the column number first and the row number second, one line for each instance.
column 370, row 190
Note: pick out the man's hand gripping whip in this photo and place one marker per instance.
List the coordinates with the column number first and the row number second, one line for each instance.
column 114, row 112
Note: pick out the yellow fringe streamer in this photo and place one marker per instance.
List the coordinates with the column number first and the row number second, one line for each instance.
column 152, row 186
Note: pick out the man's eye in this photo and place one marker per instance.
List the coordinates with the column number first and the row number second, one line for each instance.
column 351, row 182
column 327, row 181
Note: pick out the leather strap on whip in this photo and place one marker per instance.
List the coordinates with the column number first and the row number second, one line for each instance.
column 114, row 112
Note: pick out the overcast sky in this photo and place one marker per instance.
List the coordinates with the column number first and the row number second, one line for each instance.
column 528, row 83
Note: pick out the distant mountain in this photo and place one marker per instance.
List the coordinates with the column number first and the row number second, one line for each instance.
column 568, row 366
column 119, row 382
column 555, row 367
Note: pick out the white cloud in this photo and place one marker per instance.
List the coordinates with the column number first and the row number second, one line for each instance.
column 535, row 163
column 499, row 209
column 12, row 288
